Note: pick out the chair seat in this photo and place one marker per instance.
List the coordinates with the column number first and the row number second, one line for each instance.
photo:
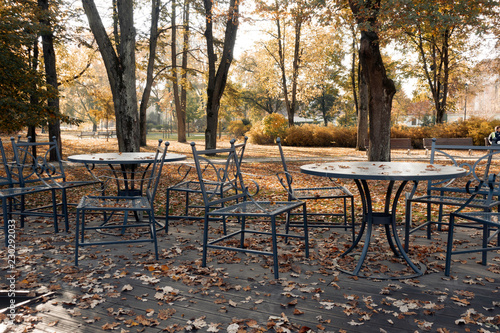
column 455, row 201
column 16, row 191
column 194, row 187
column 491, row 218
column 73, row 184
column 321, row 192
column 257, row 208
column 114, row 203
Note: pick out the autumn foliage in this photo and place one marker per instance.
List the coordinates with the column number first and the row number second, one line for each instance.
column 312, row 135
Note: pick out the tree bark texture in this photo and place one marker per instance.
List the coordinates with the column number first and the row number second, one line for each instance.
column 120, row 68
column 362, row 112
column 181, row 118
column 153, row 42
column 217, row 78
column 381, row 89
column 182, row 115
column 49, row 57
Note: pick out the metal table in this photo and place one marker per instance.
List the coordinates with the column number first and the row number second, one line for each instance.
column 361, row 172
column 125, row 177
column 128, row 162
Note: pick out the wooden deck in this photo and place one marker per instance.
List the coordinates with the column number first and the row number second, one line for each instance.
column 122, row 288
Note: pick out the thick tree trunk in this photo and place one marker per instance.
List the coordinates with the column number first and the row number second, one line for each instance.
column 153, row 41
column 381, row 89
column 49, row 57
column 120, row 68
column 217, row 79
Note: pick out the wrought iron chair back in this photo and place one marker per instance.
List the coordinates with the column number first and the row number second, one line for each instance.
column 33, row 165
column 215, row 174
column 190, row 187
column 5, row 176
column 478, row 169
column 333, row 192
column 137, row 204
column 33, row 171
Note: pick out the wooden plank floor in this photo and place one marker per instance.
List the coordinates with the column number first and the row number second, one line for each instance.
column 122, row 288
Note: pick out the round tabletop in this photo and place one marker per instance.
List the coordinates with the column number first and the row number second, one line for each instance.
column 123, row 158
column 384, row 170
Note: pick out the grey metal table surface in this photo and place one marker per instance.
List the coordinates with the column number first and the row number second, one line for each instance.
column 361, row 173
column 128, row 162
column 122, row 158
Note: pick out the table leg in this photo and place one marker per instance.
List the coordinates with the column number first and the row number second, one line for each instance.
column 387, row 218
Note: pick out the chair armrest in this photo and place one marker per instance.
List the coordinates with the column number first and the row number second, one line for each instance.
column 491, row 184
column 285, row 179
column 184, row 169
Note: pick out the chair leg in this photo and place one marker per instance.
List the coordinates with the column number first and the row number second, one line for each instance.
column 306, row 231
column 77, row 235
column 65, row 209
column 152, row 223
column 345, row 214
column 167, row 212
column 485, row 243
column 440, row 219
column 429, row 218
column 287, row 225
column 449, row 245
column 5, row 221
column 242, row 232
column 54, row 210
column 275, row 247
column 205, row 241
column 353, row 219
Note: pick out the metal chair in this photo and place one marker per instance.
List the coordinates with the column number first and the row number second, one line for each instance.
column 112, row 207
column 446, row 193
column 486, row 220
column 34, row 172
column 316, row 193
column 191, row 187
column 226, row 171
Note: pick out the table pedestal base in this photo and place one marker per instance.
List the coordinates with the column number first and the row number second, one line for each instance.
column 388, row 220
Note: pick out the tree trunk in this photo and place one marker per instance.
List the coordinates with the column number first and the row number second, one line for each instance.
column 295, row 70
column 120, row 67
column 284, row 84
column 217, row 79
column 34, row 100
column 181, row 118
column 49, row 57
column 362, row 112
column 381, row 89
column 153, row 41
column 182, row 115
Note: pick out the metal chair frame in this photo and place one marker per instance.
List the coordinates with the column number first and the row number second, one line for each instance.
column 485, row 220
column 445, row 194
column 31, row 171
column 316, row 193
column 192, row 187
column 138, row 205
column 245, row 206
